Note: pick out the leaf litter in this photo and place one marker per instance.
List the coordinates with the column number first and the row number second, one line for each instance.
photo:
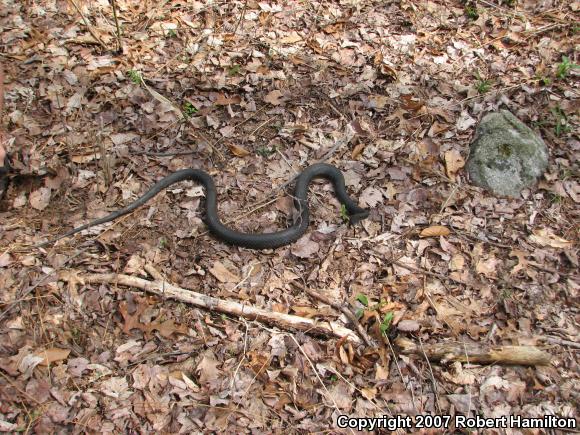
column 253, row 92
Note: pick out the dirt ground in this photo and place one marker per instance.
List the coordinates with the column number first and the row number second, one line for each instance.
column 253, row 92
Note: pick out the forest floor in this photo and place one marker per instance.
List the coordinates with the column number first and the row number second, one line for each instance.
column 253, row 92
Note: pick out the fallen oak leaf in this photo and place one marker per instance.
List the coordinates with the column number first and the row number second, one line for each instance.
column 222, row 100
column 39, row 199
column 435, row 231
column 52, row 355
column 274, row 97
column 408, row 325
column 165, row 328
column 357, row 151
column 304, row 247
column 222, row 273
column 291, row 38
column 370, row 197
column 237, row 150
column 168, row 328
column 453, row 163
column 545, row 237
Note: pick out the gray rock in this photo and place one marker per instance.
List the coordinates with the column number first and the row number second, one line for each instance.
column 506, row 156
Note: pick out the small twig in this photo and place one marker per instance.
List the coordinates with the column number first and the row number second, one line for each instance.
column 404, row 379
column 340, row 307
column 89, row 27
column 24, row 393
column 562, row 342
column 260, row 126
column 431, row 375
column 241, row 17
column 119, row 43
column 449, row 197
column 427, row 272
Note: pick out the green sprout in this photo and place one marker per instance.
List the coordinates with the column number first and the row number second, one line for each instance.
column 189, row 109
column 362, row 299
column 482, row 85
column 564, row 67
column 265, row 151
column 471, row 12
column 386, row 323
column 135, row 76
column 562, row 126
column 545, row 81
column 344, row 213
column 234, row 70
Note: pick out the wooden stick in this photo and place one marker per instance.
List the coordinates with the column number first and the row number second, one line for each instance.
column 119, row 42
column 476, row 353
column 89, row 27
column 169, row 291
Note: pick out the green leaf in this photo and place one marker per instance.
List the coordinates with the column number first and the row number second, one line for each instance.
column 344, row 213
column 386, row 323
column 362, row 299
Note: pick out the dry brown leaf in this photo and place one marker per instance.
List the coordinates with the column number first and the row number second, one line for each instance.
column 458, row 375
column 408, row 325
column 453, row 163
column 39, row 199
column 237, row 150
column 546, row 237
column 52, row 355
column 370, row 197
column 369, row 393
column 291, row 38
column 222, row 100
column 305, row 311
column 85, row 158
column 5, row 259
column 208, row 368
column 222, row 273
column 304, row 247
column 378, row 101
column 334, row 27
column 487, row 267
column 457, row 262
column 357, row 150
column 435, row 231
column 274, row 97
column 382, row 373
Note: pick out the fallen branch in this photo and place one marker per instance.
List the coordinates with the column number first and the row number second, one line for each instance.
column 169, row 291
column 475, row 353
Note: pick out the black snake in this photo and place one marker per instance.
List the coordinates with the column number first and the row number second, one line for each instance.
column 246, row 240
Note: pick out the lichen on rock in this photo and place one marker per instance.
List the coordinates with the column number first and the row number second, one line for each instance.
column 506, row 156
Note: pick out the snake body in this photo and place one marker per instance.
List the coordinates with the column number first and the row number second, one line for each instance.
column 246, row 240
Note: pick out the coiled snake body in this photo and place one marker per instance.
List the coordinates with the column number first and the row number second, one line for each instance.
column 246, row 240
